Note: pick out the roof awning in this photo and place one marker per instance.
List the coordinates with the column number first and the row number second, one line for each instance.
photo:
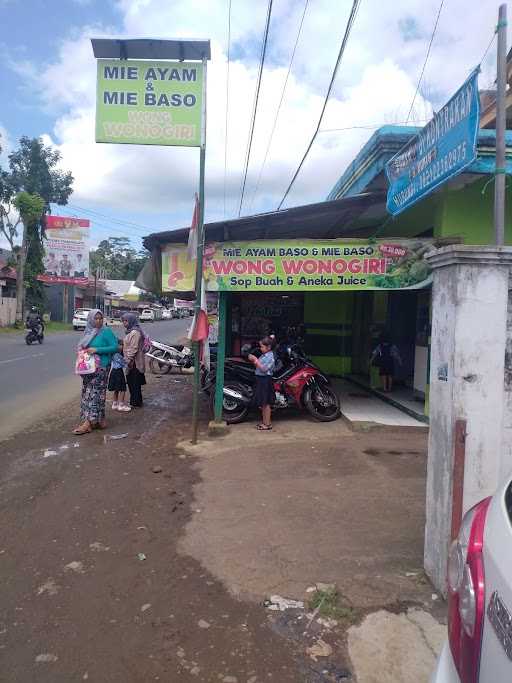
column 350, row 216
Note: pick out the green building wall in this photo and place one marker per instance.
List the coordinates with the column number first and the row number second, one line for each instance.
column 328, row 318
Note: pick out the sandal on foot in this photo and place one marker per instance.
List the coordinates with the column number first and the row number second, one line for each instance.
column 82, row 430
column 264, row 428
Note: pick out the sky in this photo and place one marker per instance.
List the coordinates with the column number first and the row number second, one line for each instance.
column 47, row 89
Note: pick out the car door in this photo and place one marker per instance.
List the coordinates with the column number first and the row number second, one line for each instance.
column 496, row 654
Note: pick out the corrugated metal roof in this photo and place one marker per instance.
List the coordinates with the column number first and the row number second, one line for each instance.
column 324, row 220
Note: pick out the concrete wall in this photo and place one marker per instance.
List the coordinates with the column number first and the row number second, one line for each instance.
column 7, row 311
column 506, row 446
column 469, row 335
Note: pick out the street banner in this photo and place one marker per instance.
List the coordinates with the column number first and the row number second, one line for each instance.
column 440, row 151
column 66, row 248
column 301, row 265
column 149, row 102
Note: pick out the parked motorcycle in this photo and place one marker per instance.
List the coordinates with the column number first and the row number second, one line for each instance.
column 297, row 383
column 164, row 357
column 34, row 334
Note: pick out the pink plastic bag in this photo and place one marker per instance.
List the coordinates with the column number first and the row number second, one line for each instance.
column 86, row 363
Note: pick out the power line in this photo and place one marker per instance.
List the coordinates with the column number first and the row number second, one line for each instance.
column 118, row 221
column 227, row 108
column 350, row 22
column 370, row 126
column 426, row 59
column 280, row 102
column 257, row 93
column 68, row 211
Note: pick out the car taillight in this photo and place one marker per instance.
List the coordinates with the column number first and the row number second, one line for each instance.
column 466, row 598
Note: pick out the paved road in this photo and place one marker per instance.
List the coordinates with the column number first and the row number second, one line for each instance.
column 37, row 378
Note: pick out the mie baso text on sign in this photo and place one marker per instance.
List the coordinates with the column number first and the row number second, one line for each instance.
column 149, row 103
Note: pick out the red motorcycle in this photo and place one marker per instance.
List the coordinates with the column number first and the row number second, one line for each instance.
column 298, row 383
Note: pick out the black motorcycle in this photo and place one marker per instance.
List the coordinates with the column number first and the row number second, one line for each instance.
column 297, row 383
column 35, row 334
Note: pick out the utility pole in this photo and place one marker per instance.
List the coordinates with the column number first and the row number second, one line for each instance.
column 501, row 121
column 199, row 268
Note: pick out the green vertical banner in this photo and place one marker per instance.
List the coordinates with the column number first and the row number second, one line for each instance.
column 149, row 102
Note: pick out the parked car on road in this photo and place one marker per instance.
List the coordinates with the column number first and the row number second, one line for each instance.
column 147, row 315
column 80, row 318
column 166, row 314
column 479, row 645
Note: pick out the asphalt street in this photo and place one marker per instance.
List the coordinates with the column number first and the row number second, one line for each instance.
column 37, row 378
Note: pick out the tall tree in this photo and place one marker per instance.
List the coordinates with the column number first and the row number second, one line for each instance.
column 33, row 168
column 30, row 208
column 117, row 259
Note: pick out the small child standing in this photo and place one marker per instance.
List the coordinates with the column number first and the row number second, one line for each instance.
column 117, row 381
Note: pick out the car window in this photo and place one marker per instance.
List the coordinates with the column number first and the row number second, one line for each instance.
column 82, row 310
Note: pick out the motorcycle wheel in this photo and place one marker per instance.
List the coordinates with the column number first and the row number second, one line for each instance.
column 40, row 339
column 158, row 368
column 232, row 412
column 322, row 403
column 28, row 341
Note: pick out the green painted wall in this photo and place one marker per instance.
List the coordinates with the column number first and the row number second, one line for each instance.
column 328, row 330
column 468, row 213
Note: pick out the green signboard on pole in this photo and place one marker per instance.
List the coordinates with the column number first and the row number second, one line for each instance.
column 149, row 102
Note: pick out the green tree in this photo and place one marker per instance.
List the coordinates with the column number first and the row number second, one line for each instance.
column 33, row 169
column 117, row 259
column 30, row 208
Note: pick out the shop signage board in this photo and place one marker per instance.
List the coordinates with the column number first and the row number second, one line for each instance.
column 301, row 265
column 66, row 251
column 440, row 151
column 149, row 102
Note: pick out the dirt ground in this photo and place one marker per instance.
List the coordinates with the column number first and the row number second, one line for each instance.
column 139, row 559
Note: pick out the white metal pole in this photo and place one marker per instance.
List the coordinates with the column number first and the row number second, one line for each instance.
column 501, row 121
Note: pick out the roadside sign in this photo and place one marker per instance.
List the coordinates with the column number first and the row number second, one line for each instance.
column 149, row 102
column 300, row 265
column 440, row 151
column 66, row 251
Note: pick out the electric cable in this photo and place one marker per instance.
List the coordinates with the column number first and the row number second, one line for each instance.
column 255, row 107
column 227, row 108
column 280, row 102
column 350, row 23
column 426, row 59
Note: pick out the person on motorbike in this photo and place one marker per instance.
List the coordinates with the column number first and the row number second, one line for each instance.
column 264, row 391
column 35, row 321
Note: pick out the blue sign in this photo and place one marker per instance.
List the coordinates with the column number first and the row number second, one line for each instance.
column 441, row 150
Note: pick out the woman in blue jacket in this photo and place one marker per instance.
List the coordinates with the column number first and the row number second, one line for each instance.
column 102, row 341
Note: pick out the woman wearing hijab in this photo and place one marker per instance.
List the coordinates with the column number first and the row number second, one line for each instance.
column 102, row 341
column 135, row 358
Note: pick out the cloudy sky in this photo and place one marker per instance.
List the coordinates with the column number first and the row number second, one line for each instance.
column 47, row 85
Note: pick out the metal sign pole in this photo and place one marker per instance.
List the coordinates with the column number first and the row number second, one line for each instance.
column 199, row 267
column 501, row 119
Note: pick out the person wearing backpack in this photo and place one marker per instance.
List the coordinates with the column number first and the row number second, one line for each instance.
column 133, row 351
column 384, row 357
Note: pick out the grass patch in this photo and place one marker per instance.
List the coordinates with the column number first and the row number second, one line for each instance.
column 52, row 326
column 329, row 603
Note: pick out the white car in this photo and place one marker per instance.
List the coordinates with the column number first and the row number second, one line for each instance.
column 80, row 318
column 166, row 314
column 147, row 315
column 479, row 645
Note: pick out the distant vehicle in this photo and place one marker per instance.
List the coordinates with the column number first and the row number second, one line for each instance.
column 80, row 318
column 479, row 645
column 166, row 314
column 147, row 315
column 174, row 312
